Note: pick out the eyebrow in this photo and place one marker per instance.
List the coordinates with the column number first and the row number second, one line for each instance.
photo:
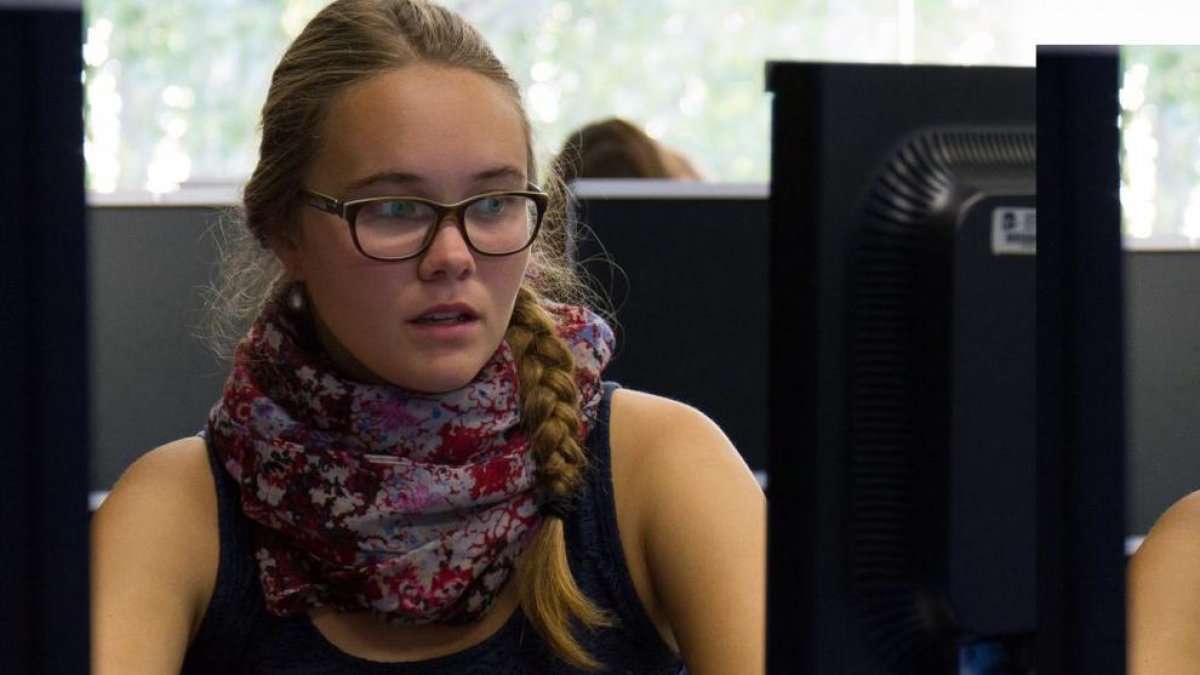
column 407, row 179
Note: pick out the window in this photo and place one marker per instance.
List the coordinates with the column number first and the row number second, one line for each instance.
column 1160, row 167
column 174, row 87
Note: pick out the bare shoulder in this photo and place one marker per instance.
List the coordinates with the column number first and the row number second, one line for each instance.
column 672, row 458
column 665, row 434
column 170, row 487
column 698, row 522
column 1164, row 594
column 154, row 558
column 1171, row 550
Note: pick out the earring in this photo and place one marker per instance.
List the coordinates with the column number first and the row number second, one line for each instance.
column 296, row 299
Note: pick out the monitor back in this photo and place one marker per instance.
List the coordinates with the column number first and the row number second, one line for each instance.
column 955, row 522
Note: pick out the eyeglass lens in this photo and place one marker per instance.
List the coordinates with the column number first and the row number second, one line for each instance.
column 494, row 224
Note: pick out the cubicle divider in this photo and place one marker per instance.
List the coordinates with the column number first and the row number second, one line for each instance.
column 684, row 267
column 153, row 376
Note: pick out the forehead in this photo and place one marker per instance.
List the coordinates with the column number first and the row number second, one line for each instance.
column 438, row 124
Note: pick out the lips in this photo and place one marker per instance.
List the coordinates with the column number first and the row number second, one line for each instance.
column 446, row 314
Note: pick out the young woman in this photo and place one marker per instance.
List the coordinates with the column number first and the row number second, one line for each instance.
column 416, row 466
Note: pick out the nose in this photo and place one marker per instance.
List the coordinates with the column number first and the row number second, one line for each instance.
column 448, row 254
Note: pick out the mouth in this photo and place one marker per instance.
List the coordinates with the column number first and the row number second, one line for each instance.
column 446, row 315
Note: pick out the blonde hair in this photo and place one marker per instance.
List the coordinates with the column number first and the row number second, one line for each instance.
column 351, row 41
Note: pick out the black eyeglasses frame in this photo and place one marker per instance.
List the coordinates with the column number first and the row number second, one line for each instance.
column 348, row 211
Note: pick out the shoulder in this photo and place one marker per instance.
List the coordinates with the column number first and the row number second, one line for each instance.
column 168, row 482
column 698, row 520
column 669, row 455
column 1164, row 593
column 155, row 548
column 657, row 434
column 1171, row 551
column 183, row 460
column 164, row 506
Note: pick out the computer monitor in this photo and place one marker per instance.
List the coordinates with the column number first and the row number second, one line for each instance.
column 901, row 442
column 1080, row 397
column 683, row 265
column 43, row 344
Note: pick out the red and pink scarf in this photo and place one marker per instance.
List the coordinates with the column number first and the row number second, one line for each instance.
column 367, row 496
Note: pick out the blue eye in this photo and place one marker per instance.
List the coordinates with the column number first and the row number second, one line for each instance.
column 492, row 205
column 399, row 209
column 493, row 209
column 395, row 212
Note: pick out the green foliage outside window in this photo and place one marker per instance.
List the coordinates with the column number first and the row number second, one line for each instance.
column 174, row 86
column 1160, row 168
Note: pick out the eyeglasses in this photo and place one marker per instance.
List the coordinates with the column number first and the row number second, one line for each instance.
column 398, row 228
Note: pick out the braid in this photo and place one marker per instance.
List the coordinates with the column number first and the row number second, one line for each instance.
column 550, row 417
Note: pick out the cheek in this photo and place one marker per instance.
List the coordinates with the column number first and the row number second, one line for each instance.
column 321, row 247
column 506, row 280
column 350, row 290
column 359, row 287
column 519, row 266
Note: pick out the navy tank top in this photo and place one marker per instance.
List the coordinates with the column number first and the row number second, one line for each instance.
column 238, row 635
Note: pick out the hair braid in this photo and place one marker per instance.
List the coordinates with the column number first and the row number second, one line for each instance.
column 550, row 416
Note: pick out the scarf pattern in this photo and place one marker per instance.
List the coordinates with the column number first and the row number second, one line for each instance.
column 367, row 496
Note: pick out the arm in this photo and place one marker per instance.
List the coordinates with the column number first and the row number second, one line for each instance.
column 1164, row 595
column 154, row 560
column 700, row 520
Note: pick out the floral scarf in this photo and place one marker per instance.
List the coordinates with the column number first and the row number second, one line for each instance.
column 368, row 496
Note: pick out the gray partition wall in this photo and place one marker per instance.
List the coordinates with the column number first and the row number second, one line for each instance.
column 684, row 265
column 152, row 379
column 1162, row 318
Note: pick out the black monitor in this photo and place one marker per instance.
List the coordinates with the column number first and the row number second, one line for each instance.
column 1081, row 407
column 901, row 413
column 43, row 344
column 683, row 267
